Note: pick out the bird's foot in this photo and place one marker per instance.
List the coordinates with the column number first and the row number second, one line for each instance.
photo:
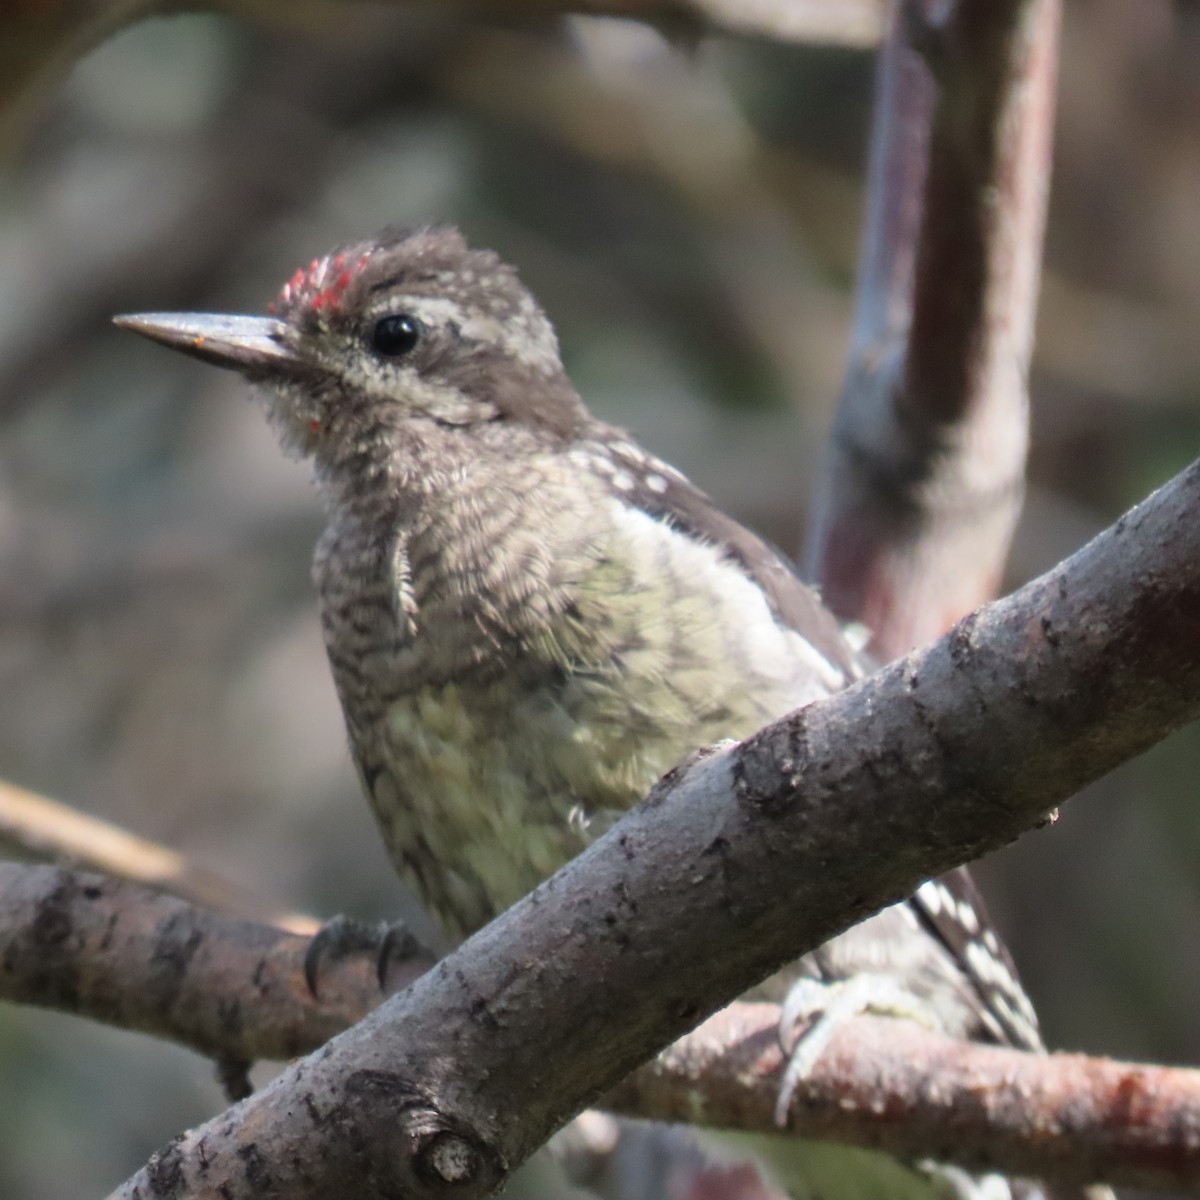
column 812, row 1011
column 233, row 1074
column 391, row 943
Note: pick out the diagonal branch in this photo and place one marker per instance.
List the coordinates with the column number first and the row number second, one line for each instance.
column 50, row 829
column 846, row 805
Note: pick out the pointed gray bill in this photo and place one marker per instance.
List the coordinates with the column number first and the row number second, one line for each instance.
column 253, row 345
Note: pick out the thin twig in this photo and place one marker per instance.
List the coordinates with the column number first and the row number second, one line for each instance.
column 48, row 829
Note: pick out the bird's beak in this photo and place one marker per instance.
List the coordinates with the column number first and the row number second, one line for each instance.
column 255, row 346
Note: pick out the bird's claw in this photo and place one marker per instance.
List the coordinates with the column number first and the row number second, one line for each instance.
column 814, row 1010
column 390, row 942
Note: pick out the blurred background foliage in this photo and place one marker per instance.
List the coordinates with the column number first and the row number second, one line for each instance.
column 689, row 216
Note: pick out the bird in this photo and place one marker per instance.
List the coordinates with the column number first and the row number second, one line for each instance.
column 529, row 618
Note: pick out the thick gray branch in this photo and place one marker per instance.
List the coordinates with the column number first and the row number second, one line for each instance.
column 118, row 952
column 844, row 806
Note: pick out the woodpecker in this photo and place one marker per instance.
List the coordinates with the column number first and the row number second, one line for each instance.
column 530, row 619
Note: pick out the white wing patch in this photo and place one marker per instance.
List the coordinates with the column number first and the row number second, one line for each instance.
column 930, row 893
column 723, row 606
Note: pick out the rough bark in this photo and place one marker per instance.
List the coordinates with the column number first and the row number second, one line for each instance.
column 120, row 953
column 847, row 804
column 893, row 1086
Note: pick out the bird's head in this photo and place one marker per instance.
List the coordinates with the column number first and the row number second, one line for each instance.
column 413, row 327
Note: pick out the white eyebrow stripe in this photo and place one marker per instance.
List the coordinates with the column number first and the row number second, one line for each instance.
column 527, row 337
column 433, row 310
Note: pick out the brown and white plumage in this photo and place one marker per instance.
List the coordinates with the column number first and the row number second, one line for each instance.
column 529, row 618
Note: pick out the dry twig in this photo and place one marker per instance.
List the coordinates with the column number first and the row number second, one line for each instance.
column 46, row 828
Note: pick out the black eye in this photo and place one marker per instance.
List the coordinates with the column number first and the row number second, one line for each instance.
column 396, row 334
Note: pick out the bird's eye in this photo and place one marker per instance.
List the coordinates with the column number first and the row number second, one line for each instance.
column 396, row 334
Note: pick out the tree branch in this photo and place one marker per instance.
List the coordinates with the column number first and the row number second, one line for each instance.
column 42, row 40
column 923, row 478
column 845, row 806
column 841, row 22
column 47, row 828
column 893, row 1086
column 119, row 953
